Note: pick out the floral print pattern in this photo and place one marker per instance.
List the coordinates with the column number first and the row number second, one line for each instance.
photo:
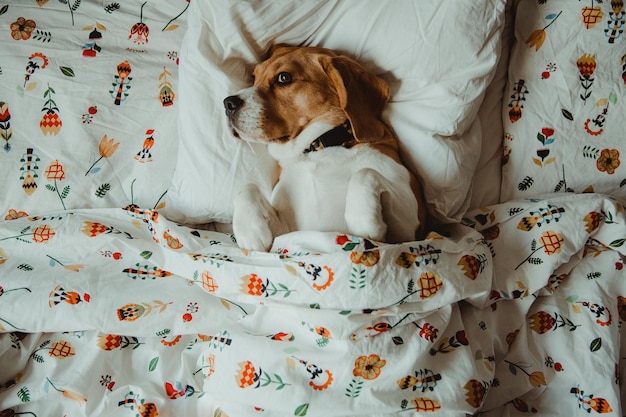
column 502, row 315
column 569, row 57
column 57, row 46
column 253, row 330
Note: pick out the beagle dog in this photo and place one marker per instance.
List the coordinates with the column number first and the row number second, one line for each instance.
column 319, row 114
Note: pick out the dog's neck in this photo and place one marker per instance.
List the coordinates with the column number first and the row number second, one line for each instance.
column 313, row 138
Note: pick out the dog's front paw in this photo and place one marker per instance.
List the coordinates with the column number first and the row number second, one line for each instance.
column 257, row 237
column 251, row 220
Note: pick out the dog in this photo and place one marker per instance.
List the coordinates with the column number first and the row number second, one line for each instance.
column 319, row 113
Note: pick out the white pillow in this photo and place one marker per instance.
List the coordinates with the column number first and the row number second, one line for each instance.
column 437, row 56
column 569, row 135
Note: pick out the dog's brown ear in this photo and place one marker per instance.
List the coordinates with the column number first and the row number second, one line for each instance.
column 362, row 95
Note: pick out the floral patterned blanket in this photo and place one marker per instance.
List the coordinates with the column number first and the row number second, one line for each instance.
column 122, row 312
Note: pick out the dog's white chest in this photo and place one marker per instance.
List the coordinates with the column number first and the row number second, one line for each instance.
column 311, row 194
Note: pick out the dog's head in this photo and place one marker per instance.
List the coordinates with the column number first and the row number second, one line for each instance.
column 296, row 86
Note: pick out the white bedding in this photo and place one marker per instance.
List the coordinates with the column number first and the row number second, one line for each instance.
column 109, row 307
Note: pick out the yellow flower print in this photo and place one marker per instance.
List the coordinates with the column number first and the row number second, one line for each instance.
column 22, row 29
column 538, row 37
column 368, row 367
column 106, row 149
column 608, row 161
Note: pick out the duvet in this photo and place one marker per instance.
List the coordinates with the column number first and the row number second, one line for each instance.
column 122, row 312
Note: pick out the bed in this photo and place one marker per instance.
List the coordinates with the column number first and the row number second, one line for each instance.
column 123, row 291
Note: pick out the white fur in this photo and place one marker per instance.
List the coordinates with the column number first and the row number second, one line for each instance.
column 335, row 189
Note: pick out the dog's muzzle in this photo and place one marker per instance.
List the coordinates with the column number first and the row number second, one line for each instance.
column 232, row 104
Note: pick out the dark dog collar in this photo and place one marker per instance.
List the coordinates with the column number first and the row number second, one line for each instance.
column 340, row 136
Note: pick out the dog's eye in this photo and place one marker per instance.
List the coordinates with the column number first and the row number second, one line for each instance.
column 284, row 78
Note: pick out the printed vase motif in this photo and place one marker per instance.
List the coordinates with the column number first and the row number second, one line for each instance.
column 122, row 83
column 166, row 95
column 616, row 21
column 519, row 95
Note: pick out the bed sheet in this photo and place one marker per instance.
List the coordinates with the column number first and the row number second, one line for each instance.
column 122, row 312
column 88, row 103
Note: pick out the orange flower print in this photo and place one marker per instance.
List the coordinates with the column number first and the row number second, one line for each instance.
column 252, row 284
column 538, row 37
column 50, row 123
column 13, row 214
column 59, row 350
column 22, row 29
column 130, row 312
column 430, row 284
column 140, row 30
column 428, row 331
column 62, row 350
column 590, row 16
column 368, row 367
column 246, row 375
column 69, row 394
column 41, row 234
column 542, row 322
column 106, row 149
column 551, row 243
column 586, row 67
column 55, row 172
column 208, row 282
column 608, row 161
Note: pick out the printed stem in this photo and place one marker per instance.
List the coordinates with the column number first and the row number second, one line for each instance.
column 53, row 386
column 528, row 257
column 517, row 366
column 407, row 296
column 55, row 260
column 179, row 15
column 59, row 194
column 553, row 20
column 16, row 236
column 11, row 324
column 159, row 200
column 93, row 165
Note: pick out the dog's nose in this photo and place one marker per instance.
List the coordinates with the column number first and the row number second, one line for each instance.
column 231, row 104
